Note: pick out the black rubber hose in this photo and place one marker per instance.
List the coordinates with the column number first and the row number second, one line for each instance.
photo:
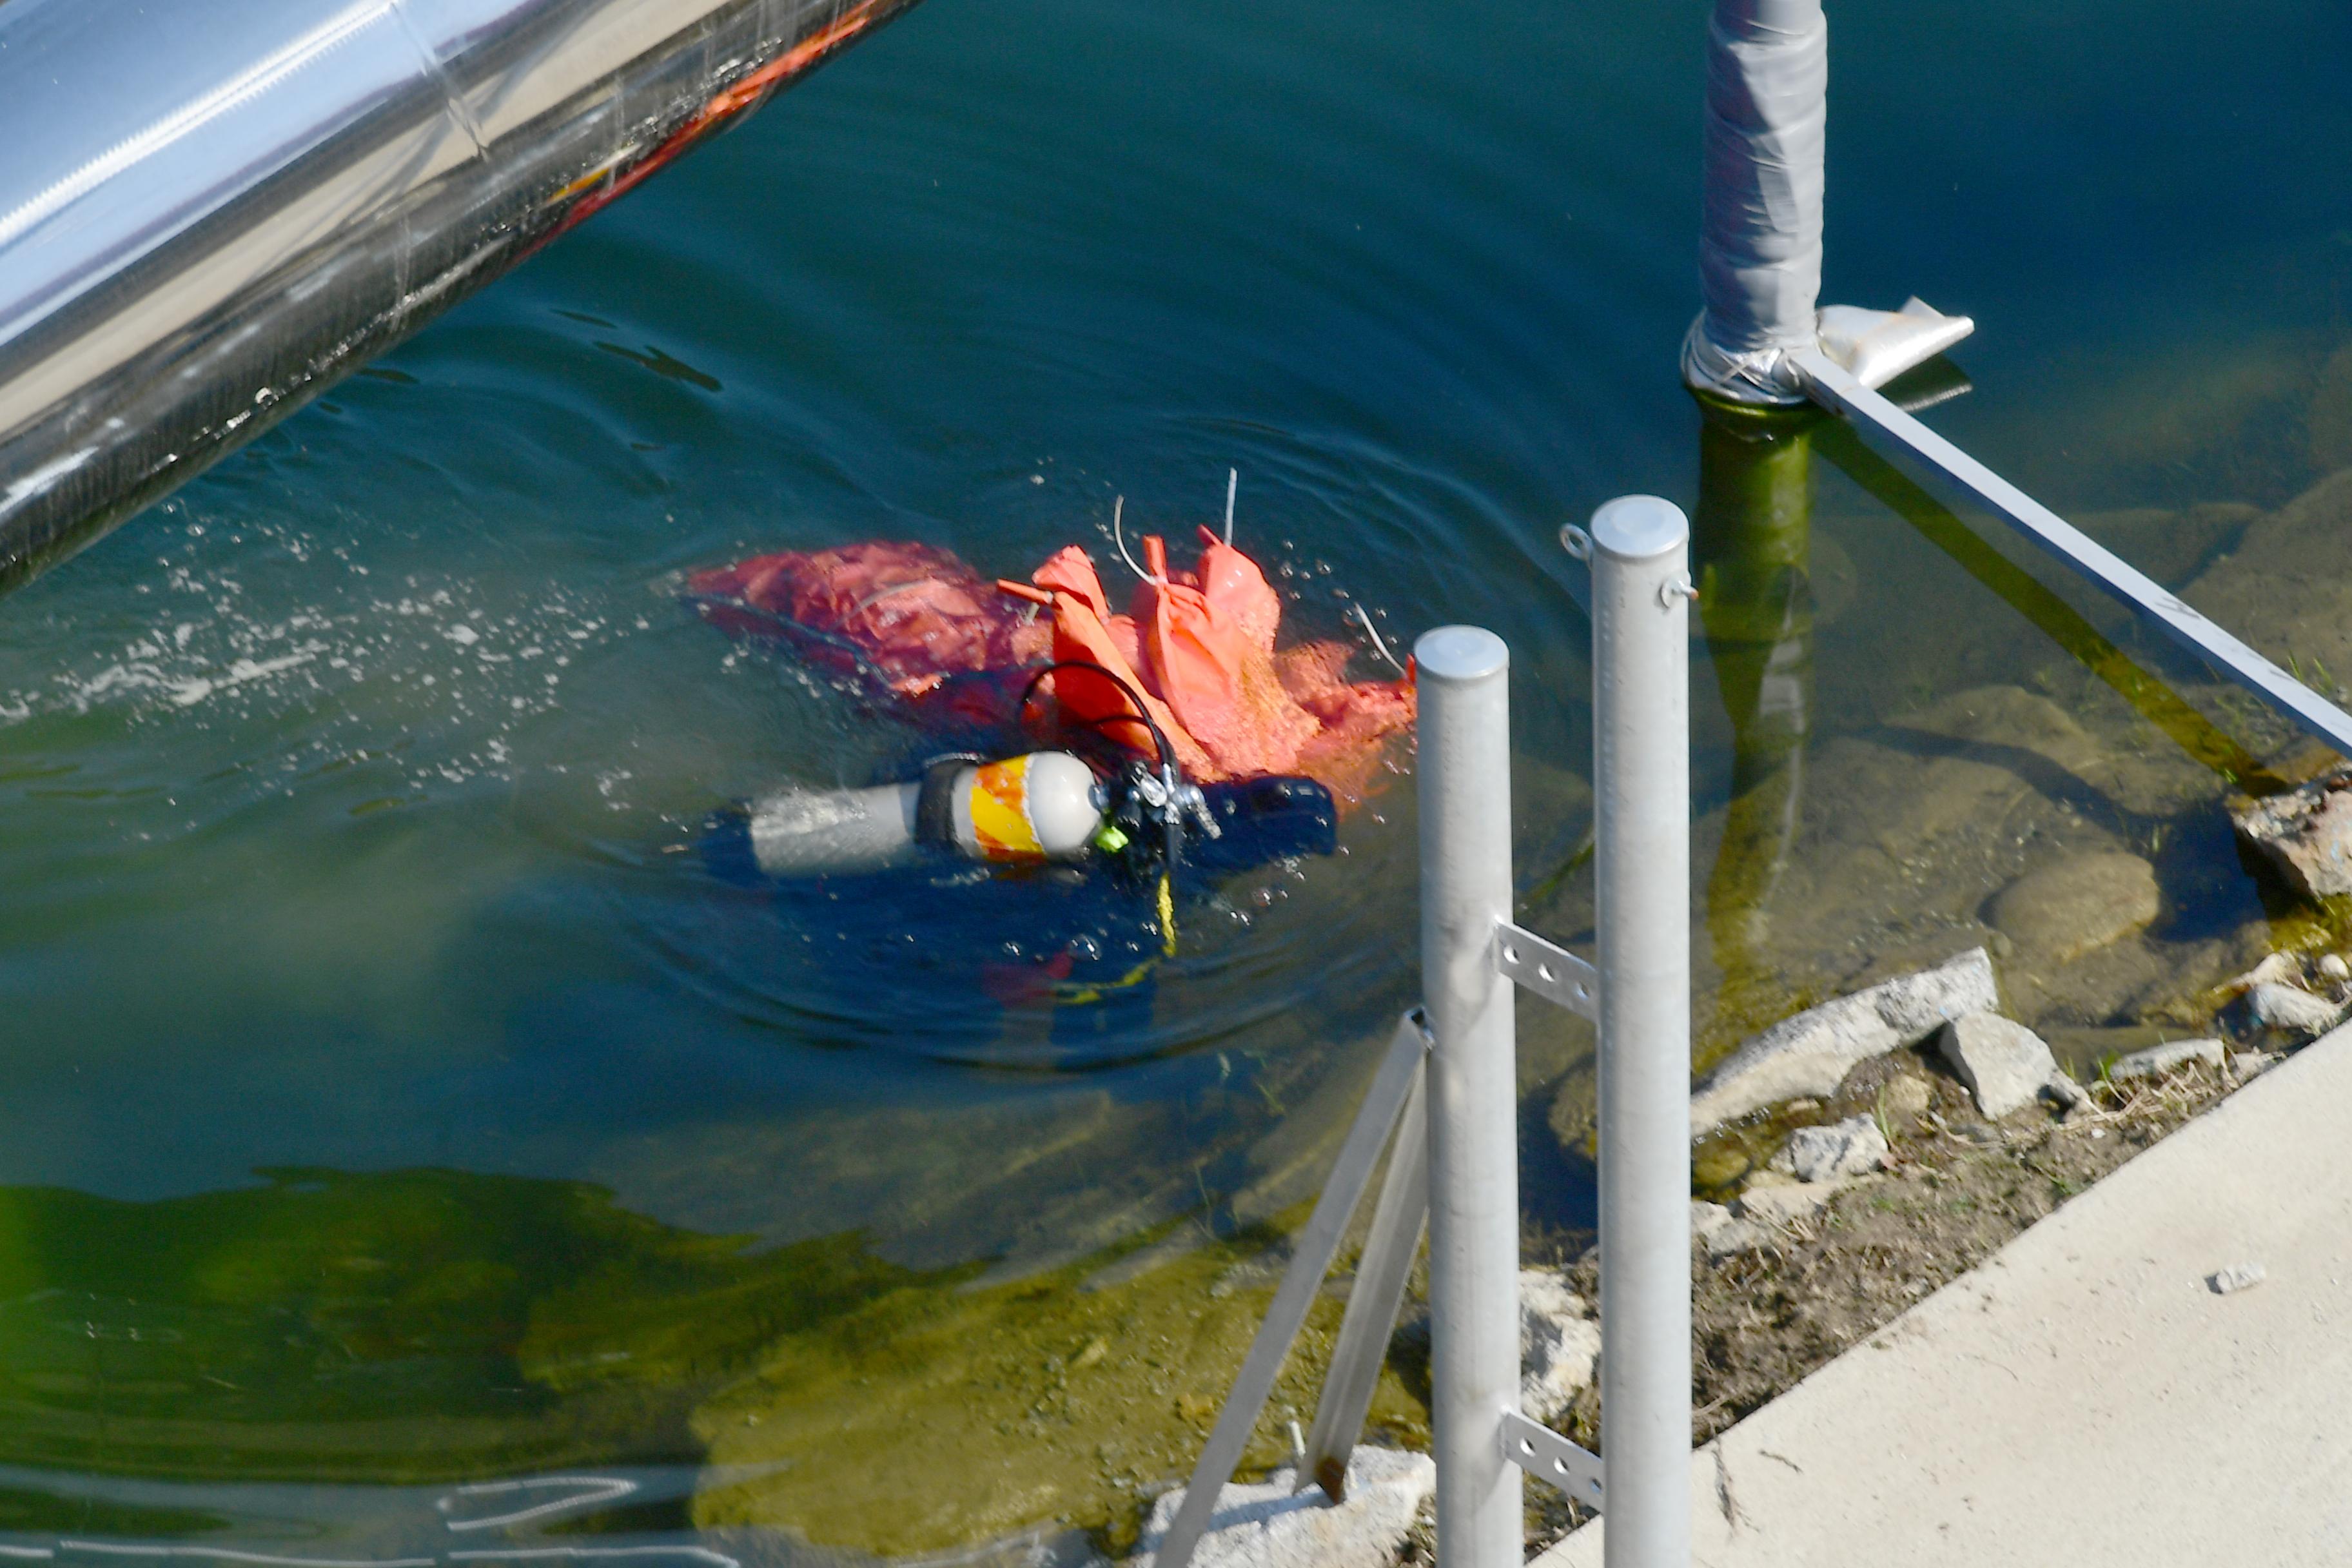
column 1144, row 715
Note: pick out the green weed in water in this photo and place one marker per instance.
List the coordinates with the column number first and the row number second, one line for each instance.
column 423, row 1325
column 405, row 1326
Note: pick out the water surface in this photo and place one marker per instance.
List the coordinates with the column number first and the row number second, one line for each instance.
column 378, row 1062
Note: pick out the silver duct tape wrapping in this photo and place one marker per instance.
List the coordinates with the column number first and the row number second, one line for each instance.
column 1760, row 234
column 208, row 214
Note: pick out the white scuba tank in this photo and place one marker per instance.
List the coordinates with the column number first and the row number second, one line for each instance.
column 1041, row 807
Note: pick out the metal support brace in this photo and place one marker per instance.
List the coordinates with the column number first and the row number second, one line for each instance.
column 1548, row 1456
column 1552, row 972
column 1398, row 1220
column 1393, row 1087
column 1444, row 1089
column 1403, row 1211
column 1890, row 429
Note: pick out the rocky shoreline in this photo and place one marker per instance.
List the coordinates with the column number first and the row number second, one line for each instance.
column 1948, row 1130
column 2003, row 942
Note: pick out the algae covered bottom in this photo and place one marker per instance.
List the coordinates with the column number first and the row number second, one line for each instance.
column 404, row 1137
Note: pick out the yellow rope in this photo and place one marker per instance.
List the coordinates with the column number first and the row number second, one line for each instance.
column 1167, row 915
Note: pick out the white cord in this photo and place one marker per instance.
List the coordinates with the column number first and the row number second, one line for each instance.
column 1120, row 538
column 1377, row 641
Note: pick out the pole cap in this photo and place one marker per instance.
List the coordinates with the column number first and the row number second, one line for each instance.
column 1640, row 528
column 1460, row 653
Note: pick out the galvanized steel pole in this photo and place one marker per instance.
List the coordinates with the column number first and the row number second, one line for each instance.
column 1464, row 773
column 1640, row 658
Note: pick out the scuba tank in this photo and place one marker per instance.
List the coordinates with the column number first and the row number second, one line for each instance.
column 1028, row 809
column 1047, row 806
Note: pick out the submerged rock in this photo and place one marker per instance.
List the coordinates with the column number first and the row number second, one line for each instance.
column 2330, row 419
column 1559, row 1345
column 1848, row 1148
column 2004, row 1064
column 2274, row 967
column 1812, row 1052
column 2157, row 1060
column 2305, row 834
column 1274, row 1525
column 2288, row 1009
column 2076, row 905
column 2287, row 586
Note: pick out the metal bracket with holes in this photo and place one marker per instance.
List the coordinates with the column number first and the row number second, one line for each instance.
column 1548, row 1456
column 1551, row 972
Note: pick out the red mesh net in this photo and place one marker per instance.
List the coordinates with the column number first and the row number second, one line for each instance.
column 1199, row 648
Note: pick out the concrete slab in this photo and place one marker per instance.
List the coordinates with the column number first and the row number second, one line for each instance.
column 2086, row 1397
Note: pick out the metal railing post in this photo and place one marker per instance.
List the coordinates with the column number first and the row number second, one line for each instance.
column 1465, row 782
column 1640, row 656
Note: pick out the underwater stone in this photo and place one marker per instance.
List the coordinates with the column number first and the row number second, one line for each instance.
column 1272, row 1525
column 2004, row 1064
column 2305, row 834
column 2290, row 1010
column 2157, row 1060
column 1847, row 1148
column 2077, row 905
column 1559, row 1345
column 2277, row 966
column 1812, row 1052
column 2330, row 419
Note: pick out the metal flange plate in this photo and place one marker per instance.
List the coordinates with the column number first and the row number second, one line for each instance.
column 1552, row 973
column 1546, row 1455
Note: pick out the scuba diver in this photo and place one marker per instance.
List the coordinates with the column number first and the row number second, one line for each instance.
column 1096, row 767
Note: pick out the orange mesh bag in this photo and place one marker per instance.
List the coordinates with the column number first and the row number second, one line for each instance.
column 1238, row 591
column 1080, row 634
column 1210, row 670
column 1356, row 718
column 1071, row 570
column 1199, row 651
column 913, row 614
